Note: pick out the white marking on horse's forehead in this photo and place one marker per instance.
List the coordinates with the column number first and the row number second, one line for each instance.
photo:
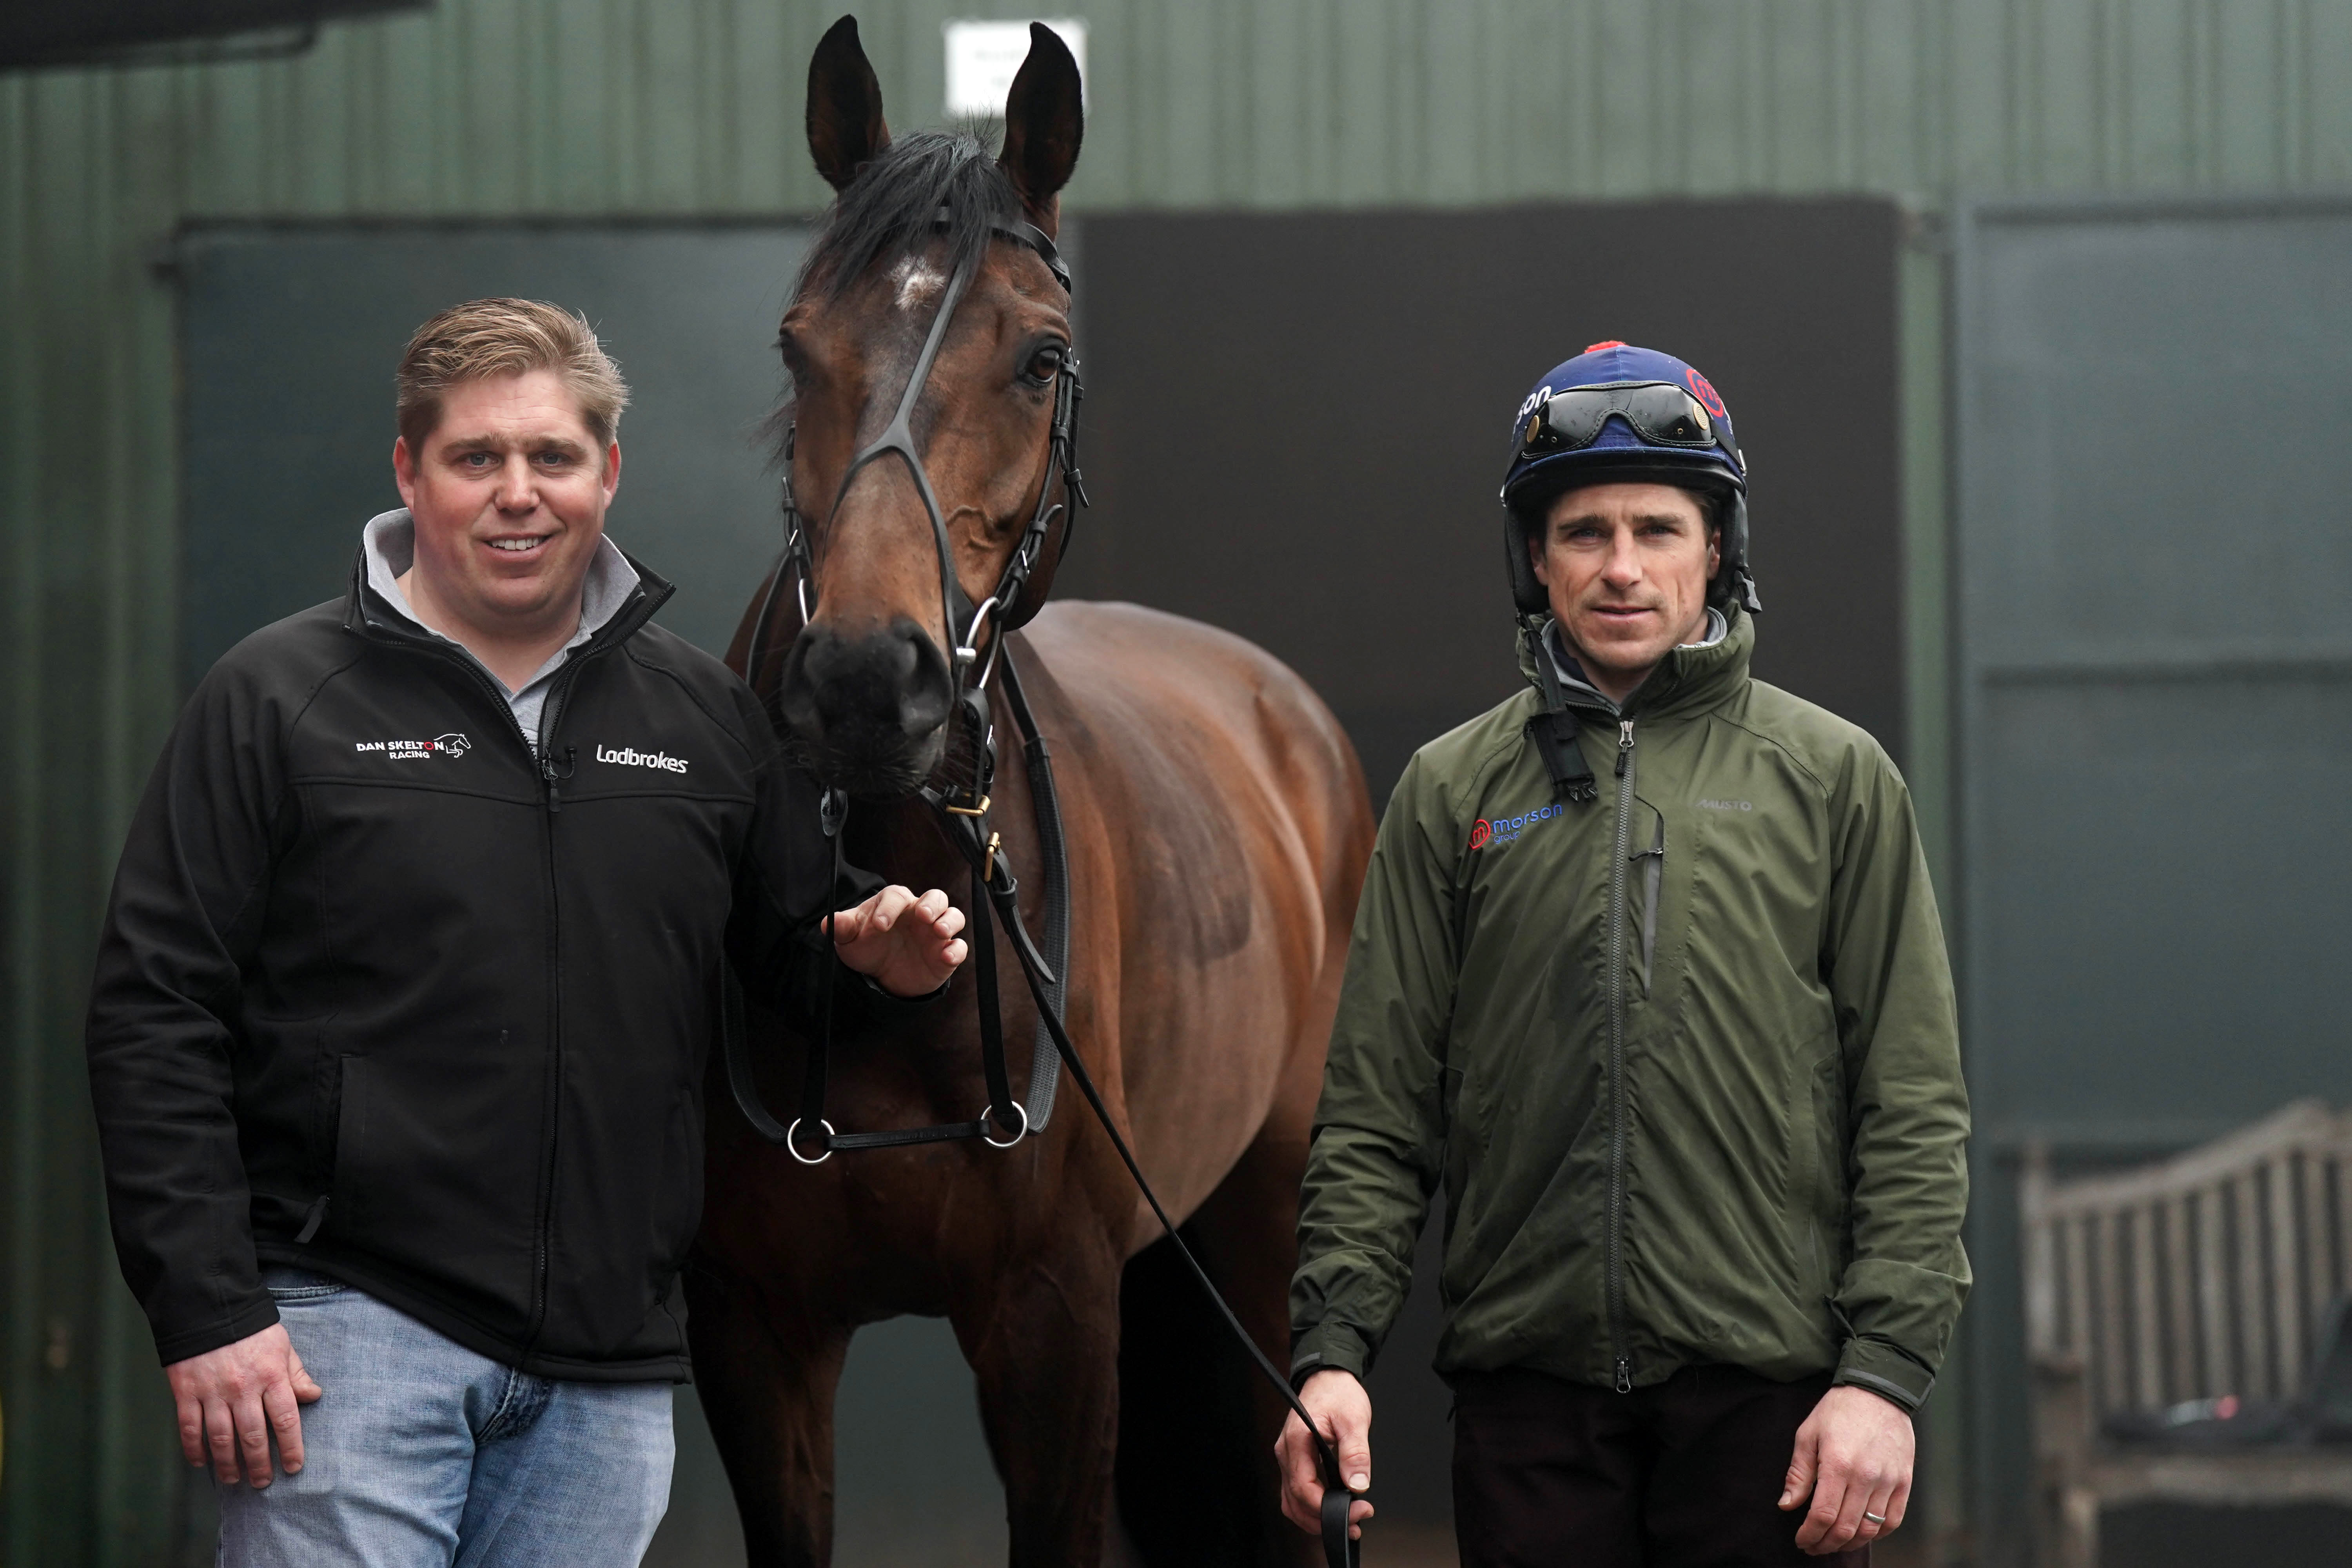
column 917, row 280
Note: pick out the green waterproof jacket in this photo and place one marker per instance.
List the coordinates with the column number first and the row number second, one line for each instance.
column 1684, row 1055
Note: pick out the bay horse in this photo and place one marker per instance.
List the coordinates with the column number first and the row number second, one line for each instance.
column 1217, row 831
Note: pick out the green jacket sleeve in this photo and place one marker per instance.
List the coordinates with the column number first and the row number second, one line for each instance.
column 1379, row 1133
column 1907, row 1108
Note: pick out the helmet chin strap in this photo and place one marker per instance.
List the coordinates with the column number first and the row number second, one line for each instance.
column 1738, row 583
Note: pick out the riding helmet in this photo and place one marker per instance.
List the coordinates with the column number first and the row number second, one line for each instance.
column 1703, row 457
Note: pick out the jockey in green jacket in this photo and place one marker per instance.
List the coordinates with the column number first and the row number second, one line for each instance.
column 1648, row 973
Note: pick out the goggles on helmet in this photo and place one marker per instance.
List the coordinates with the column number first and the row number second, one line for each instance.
column 1661, row 414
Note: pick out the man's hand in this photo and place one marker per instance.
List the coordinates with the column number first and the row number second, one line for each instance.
column 233, row 1398
column 908, row 946
column 1343, row 1413
column 1853, row 1457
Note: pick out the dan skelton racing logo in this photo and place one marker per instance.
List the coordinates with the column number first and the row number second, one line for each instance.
column 451, row 746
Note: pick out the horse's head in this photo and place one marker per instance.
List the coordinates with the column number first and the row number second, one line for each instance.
column 868, row 686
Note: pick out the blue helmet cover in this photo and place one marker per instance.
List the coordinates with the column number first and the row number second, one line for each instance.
column 1618, row 445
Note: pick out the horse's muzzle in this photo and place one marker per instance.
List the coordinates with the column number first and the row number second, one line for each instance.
column 867, row 712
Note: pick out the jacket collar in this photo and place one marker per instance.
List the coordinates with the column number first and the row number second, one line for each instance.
column 369, row 615
column 1689, row 680
column 389, row 541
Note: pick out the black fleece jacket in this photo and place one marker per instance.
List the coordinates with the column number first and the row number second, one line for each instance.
column 382, row 994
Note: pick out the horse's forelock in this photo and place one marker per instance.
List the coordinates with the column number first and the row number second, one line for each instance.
column 891, row 210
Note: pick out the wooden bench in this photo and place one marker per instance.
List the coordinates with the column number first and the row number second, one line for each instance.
column 2210, row 1274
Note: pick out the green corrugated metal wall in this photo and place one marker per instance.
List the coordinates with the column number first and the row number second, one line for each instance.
column 692, row 106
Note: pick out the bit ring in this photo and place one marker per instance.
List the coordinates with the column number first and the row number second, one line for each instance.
column 987, row 1118
column 792, row 1141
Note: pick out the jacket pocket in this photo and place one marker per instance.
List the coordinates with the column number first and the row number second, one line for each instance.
column 440, row 1174
column 1817, row 1161
column 320, row 1132
column 349, row 1196
column 1651, row 867
column 677, row 1201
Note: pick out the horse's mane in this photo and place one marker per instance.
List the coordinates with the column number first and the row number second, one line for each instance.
column 891, row 209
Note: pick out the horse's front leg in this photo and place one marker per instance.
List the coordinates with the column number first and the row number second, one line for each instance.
column 1041, row 1336
column 767, row 1371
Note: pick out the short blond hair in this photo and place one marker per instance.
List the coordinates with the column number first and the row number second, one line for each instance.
column 506, row 337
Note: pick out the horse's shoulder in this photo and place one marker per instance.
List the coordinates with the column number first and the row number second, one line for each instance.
column 1111, row 653
column 1128, row 642
column 1120, row 622
column 1145, row 684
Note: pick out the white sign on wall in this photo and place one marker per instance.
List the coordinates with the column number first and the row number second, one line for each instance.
column 983, row 57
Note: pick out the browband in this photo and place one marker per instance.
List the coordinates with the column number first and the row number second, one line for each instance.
column 1019, row 232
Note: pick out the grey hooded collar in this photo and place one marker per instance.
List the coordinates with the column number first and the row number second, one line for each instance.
column 1572, row 680
column 390, row 543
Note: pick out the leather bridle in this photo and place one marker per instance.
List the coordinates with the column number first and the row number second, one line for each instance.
column 961, row 808
column 963, row 804
column 1005, row 606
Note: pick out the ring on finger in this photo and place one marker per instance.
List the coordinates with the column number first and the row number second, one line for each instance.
column 1874, row 1517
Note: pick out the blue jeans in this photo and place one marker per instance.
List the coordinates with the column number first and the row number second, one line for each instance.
column 421, row 1454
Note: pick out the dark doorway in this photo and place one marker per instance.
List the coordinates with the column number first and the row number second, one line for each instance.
column 1295, row 424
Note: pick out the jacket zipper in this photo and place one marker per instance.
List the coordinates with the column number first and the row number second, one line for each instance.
column 551, row 777
column 549, row 716
column 1617, row 864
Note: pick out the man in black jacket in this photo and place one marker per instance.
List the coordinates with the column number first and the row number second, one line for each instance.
column 413, row 956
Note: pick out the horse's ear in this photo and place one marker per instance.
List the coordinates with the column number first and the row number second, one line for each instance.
column 1045, row 119
column 844, row 106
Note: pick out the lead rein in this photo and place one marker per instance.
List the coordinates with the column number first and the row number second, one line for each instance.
column 1003, row 899
column 998, row 896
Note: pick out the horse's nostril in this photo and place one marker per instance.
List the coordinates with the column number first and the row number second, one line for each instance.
column 904, row 658
column 924, row 696
column 873, row 698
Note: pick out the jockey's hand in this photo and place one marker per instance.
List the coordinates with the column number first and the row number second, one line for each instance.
column 1852, row 1459
column 234, row 1399
column 908, row 946
column 1343, row 1412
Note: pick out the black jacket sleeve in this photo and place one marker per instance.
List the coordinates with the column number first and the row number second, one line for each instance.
column 189, row 897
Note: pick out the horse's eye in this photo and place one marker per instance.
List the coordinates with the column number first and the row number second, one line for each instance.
column 1045, row 364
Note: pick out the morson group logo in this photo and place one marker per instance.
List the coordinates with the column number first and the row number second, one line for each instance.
column 451, row 746
column 1507, row 829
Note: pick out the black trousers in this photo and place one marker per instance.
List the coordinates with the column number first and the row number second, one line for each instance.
column 1685, row 1474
